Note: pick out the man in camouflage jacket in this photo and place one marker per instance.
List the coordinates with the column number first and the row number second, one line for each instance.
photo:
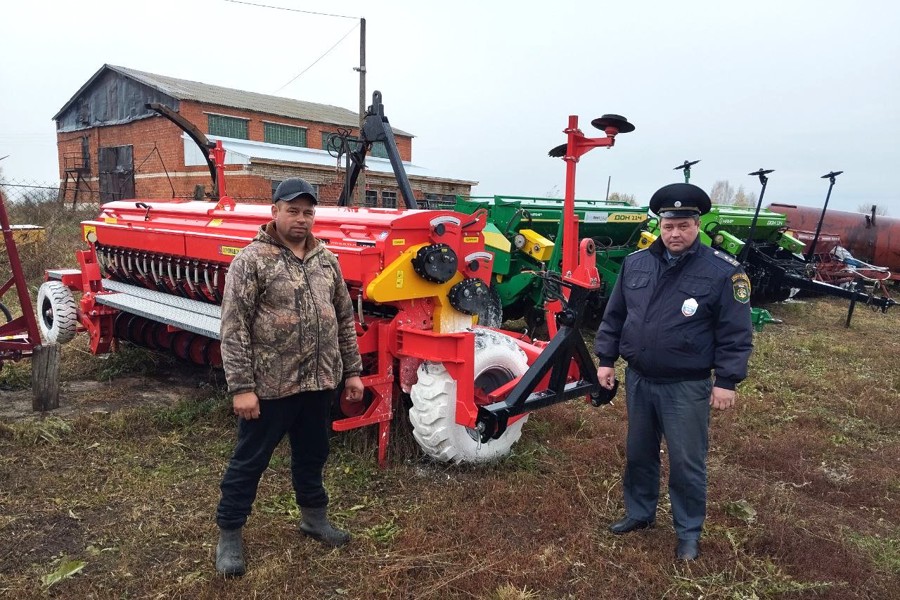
column 288, row 342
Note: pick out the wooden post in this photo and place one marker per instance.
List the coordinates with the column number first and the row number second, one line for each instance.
column 45, row 377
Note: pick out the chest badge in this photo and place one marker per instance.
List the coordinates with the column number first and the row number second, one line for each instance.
column 689, row 307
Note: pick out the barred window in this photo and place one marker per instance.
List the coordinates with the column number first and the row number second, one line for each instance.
column 379, row 150
column 389, row 199
column 371, row 198
column 326, row 137
column 286, row 135
column 231, row 127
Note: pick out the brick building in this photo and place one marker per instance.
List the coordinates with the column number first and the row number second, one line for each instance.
column 112, row 147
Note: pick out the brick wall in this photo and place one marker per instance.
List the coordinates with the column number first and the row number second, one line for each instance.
column 159, row 171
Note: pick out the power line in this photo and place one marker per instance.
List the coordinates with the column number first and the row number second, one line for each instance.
column 296, row 77
column 308, row 12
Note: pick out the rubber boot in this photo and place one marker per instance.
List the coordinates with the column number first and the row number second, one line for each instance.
column 316, row 525
column 230, row 553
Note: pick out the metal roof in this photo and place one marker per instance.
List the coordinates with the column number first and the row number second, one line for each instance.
column 183, row 89
column 244, row 152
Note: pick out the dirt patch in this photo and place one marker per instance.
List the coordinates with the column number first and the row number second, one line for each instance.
column 129, row 483
column 79, row 397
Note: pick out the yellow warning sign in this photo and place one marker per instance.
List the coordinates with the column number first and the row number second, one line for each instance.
column 399, row 282
column 228, row 250
column 215, row 222
column 89, row 233
column 471, row 239
column 110, row 220
column 398, row 242
column 626, row 218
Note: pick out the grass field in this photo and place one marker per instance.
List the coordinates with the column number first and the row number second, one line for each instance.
column 114, row 498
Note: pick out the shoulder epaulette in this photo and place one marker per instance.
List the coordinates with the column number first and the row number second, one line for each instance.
column 727, row 258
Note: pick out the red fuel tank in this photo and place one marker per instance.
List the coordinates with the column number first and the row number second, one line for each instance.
column 874, row 239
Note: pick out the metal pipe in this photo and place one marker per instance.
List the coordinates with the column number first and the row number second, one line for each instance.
column 216, row 284
column 187, row 278
column 763, row 179
column 812, row 247
column 173, row 285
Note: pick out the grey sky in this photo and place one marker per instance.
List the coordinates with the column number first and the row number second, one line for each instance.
column 802, row 87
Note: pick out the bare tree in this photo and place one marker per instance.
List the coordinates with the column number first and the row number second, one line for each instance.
column 742, row 198
column 867, row 209
column 721, row 193
column 627, row 199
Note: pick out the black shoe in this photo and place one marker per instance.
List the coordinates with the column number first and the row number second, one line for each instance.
column 687, row 549
column 628, row 524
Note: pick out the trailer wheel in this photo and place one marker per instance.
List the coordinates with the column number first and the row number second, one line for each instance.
column 433, row 414
column 57, row 312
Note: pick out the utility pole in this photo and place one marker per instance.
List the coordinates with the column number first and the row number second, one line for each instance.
column 361, row 182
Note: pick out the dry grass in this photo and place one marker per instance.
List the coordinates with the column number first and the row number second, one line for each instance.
column 120, row 486
column 804, row 483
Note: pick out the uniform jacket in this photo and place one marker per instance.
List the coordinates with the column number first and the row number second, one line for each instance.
column 675, row 323
column 287, row 323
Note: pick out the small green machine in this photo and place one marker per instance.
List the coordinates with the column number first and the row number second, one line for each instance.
column 522, row 233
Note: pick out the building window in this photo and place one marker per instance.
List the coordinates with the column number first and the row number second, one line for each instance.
column 389, row 199
column 230, row 127
column 326, row 139
column 379, row 150
column 371, row 198
column 286, row 135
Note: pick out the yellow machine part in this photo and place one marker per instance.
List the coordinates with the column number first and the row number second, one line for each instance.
column 28, row 234
column 399, row 281
column 536, row 246
column 496, row 240
column 647, row 238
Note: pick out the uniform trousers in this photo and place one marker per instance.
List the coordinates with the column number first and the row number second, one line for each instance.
column 678, row 411
column 304, row 417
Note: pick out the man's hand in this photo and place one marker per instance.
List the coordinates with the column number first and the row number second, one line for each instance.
column 607, row 377
column 353, row 386
column 246, row 405
column 721, row 398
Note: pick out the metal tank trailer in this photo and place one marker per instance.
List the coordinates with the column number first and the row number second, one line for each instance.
column 153, row 274
column 522, row 233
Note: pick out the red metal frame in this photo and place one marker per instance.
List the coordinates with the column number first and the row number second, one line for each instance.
column 577, row 146
column 366, row 242
column 19, row 337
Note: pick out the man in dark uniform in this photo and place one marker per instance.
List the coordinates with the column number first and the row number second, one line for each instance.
column 678, row 310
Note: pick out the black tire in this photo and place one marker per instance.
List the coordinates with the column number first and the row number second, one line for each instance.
column 433, row 414
column 57, row 312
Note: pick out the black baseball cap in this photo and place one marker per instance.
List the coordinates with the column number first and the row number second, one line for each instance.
column 293, row 188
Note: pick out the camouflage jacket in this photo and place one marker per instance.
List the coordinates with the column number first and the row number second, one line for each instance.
column 287, row 324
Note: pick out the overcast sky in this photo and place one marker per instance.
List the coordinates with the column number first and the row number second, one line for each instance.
column 802, row 87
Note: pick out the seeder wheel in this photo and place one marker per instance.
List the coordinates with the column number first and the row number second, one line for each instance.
column 57, row 312
column 433, row 414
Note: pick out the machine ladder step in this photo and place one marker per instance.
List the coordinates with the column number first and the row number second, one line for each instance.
column 197, row 317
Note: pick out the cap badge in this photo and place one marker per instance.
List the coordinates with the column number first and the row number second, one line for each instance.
column 678, row 204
